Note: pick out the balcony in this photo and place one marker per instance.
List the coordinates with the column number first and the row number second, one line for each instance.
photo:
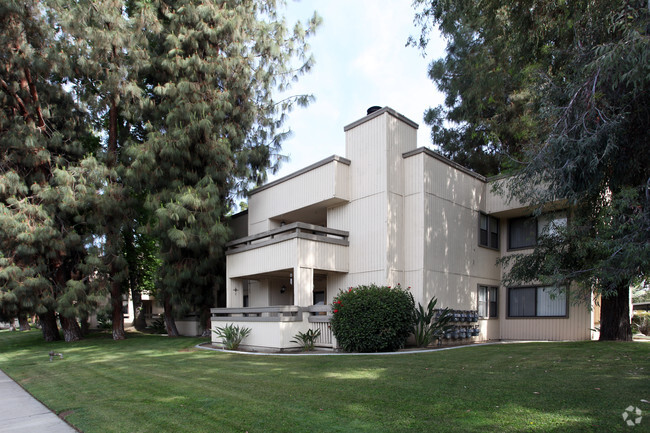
column 300, row 195
column 273, row 328
column 293, row 245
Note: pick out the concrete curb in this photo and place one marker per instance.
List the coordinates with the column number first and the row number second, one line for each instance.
column 403, row 352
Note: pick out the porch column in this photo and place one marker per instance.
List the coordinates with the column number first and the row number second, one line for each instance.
column 234, row 293
column 303, row 286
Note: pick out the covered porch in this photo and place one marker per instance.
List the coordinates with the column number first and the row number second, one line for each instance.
column 277, row 284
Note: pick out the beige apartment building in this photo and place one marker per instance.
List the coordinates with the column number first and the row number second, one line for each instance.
column 387, row 213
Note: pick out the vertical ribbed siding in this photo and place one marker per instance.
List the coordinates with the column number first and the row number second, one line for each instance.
column 575, row 327
column 287, row 255
column 453, row 185
column 453, row 262
column 322, row 184
column 366, row 147
column 367, row 210
column 376, row 211
column 414, row 228
column 335, row 283
column 368, row 234
column 282, row 255
column 337, row 218
column 401, row 138
column 323, row 256
column 499, row 202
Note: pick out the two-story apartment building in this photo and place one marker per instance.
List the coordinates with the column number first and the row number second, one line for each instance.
column 386, row 213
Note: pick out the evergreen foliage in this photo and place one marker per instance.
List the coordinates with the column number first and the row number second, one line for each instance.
column 306, row 340
column 213, row 129
column 126, row 130
column 231, row 335
column 430, row 324
column 108, row 49
column 372, row 318
column 47, row 187
column 566, row 84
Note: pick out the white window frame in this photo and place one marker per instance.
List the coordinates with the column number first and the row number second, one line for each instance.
column 487, row 297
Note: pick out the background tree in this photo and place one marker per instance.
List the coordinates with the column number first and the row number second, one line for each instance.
column 109, row 48
column 488, row 115
column 46, row 187
column 579, row 73
column 182, row 90
column 215, row 128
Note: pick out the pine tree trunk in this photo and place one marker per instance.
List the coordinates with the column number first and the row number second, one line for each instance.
column 117, row 316
column 71, row 329
column 49, row 327
column 615, row 316
column 140, row 323
column 170, row 323
column 24, row 324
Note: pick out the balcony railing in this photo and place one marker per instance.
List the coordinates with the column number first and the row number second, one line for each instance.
column 320, row 320
column 281, row 313
column 319, row 317
column 289, row 231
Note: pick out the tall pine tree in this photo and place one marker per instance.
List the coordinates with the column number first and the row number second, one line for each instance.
column 47, row 189
column 109, row 48
column 214, row 129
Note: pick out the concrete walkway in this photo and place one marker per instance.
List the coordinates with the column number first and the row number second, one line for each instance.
column 20, row 412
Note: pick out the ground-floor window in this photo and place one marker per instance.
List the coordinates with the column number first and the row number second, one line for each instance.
column 487, row 302
column 536, row 302
column 319, row 298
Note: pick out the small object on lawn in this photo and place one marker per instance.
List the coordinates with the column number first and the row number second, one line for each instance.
column 535, row 392
column 53, row 354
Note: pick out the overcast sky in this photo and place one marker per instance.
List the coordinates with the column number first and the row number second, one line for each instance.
column 361, row 61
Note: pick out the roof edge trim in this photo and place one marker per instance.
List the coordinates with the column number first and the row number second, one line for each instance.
column 447, row 161
column 378, row 113
column 300, row 172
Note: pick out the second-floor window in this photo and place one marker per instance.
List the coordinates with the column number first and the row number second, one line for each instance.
column 523, row 232
column 488, row 231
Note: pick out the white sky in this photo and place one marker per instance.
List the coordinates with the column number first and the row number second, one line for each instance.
column 361, row 61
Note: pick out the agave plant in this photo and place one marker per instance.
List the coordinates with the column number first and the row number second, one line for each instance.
column 306, row 340
column 231, row 335
column 430, row 324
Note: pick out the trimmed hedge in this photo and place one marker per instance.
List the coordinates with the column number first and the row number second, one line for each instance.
column 372, row 318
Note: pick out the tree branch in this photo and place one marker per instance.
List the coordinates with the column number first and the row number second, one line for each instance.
column 34, row 94
column 19, row 101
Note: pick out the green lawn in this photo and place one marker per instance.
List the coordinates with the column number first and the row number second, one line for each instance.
column 157, row 384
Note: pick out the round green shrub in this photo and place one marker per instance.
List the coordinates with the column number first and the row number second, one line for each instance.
column 372, row 318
